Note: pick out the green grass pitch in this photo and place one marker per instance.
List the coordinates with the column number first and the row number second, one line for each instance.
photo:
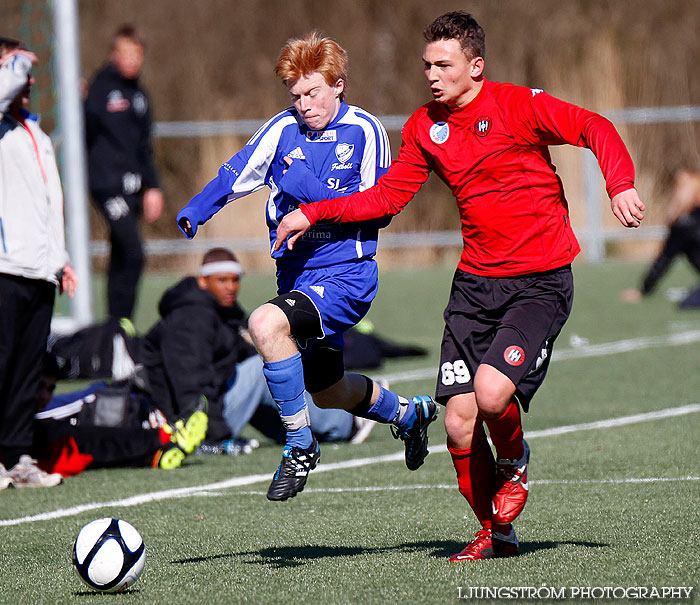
column 611, row 505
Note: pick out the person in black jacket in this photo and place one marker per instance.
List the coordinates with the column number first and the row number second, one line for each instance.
column 122, row 175
column 202, row 335
column 683, row 239
column 201, row 346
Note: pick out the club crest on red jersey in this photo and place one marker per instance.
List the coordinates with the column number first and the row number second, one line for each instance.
column 439, row 132
column 514, row 355
column 482, row 126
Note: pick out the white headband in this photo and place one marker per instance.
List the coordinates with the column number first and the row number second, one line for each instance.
column 224, row 266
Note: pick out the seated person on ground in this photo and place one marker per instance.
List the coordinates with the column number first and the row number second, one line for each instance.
column 201, row 346
column 112, row 423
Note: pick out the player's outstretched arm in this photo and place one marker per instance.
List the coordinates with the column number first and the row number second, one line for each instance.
column 294, row 225
column 628, row 208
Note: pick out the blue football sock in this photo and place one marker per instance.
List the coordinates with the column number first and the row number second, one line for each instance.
column 406, row 416
column 388, row 407
column 286, row 381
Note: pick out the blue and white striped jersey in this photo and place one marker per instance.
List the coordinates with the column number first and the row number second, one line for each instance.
column 349, row 155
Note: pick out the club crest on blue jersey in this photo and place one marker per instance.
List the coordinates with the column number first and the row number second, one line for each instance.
column 482, row 126
column 344, row 151
column 439, row 132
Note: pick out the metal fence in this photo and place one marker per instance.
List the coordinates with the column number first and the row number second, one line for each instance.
column 593, row 235
column 65, row 17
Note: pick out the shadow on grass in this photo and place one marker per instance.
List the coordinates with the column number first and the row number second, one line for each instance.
column 92, row 593
column 295, row 556
column 207, row 558
column 446, row 548
column 529, row 547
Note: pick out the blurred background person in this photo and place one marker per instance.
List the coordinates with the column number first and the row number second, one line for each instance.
column 122, row 176
column 683, row 219
column 33, row 261
column 194, row 348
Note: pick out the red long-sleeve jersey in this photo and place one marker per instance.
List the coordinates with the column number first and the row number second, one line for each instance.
column 493, row 154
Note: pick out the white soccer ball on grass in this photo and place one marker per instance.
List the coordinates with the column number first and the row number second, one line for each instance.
column 109, row 555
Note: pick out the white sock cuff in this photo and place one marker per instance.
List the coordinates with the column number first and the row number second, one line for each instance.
column 297, row 421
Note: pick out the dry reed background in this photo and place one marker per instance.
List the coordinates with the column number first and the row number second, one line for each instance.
column 213, row 60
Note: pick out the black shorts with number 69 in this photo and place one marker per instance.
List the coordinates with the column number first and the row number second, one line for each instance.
column 509, row 323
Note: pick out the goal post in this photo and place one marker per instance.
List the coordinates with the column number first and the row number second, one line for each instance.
column 72, row 160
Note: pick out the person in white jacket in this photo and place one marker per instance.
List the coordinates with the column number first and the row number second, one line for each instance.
column 33, row 261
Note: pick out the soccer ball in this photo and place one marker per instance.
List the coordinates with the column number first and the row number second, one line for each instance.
column 109, row 554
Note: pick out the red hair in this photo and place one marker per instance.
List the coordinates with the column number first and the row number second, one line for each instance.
column 312, row 53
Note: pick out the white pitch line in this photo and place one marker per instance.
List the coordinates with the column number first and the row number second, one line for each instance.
column 599, row 350
column 395, row 488
column 691, row 408
column 136, row 500
column 251, row 479
column 614, row 481
column 188, row 491
column 615, row 422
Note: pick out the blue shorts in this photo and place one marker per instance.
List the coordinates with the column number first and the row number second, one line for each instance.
column 341, row 294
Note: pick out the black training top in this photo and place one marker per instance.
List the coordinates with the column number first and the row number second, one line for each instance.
column 118, row 129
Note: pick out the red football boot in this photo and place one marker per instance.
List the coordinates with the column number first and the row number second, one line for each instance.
column 513, row 489
column 488, row 545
